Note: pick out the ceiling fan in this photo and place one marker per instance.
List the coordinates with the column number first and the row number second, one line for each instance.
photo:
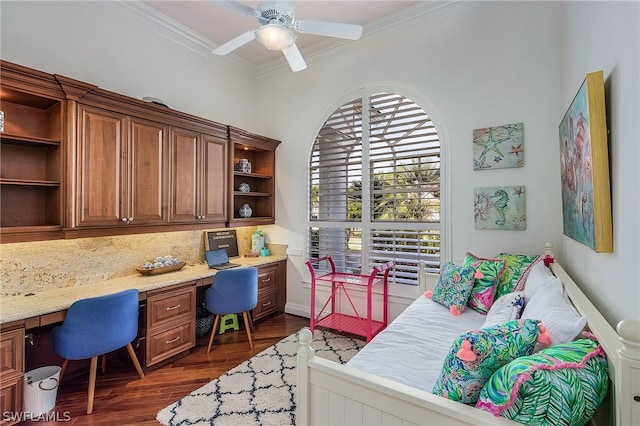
column 278, row 27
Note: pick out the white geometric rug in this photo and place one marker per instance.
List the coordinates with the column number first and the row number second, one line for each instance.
column 261, row 390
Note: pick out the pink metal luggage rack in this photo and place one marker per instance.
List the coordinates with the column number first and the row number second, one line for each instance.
column 354, row 324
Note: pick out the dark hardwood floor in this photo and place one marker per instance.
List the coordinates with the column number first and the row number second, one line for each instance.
column 122, row 398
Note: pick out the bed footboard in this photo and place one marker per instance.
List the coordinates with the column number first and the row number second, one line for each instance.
column 329, row 393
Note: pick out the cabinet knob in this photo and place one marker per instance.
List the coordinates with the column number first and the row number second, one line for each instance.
column 125, row 219
column 636, row 398
column 130, row 219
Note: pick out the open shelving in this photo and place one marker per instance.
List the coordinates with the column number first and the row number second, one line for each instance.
column 260, row 152
column 30, row 165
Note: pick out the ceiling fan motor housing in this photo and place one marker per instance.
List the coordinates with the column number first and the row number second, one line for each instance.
column 275, row 15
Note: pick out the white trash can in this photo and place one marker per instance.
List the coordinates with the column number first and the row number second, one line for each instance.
column 41, row 389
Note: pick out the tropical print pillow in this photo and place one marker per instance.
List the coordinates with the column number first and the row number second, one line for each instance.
column 515, row 273
column 476, row 354
column 453, row 287
column 486, row 276
column 560, row 385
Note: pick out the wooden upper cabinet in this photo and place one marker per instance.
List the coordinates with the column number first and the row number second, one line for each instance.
column 121, row 169
column 198, row 169
column 32, row 150
column 80, row 161
column 260, row 152
column 214, row 183
column 147, row 184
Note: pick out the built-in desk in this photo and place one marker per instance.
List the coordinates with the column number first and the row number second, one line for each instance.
column 48, row 307
column 19, row 314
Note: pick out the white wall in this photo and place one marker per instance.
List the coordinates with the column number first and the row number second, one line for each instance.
column 491, row 64
column 488, row 64
column 94, row 42
column 606, row 36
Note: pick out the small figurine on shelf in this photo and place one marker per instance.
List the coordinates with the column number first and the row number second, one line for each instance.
column 245, row 211
column 243, row 166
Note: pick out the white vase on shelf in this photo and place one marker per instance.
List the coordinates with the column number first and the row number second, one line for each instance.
column 245, row 211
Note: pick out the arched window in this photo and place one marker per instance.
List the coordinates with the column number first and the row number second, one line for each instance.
column 374, row 187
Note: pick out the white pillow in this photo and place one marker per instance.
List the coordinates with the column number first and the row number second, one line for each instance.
column 539, row 277
column 506, row 308
column 554, row 310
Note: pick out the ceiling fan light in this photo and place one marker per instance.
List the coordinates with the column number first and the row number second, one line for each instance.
column 275, row 36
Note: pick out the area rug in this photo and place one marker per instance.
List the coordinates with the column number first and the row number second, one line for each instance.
column 261, row 390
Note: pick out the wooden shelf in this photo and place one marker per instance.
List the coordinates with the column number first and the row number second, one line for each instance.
column 28, row 140
column 252, row 175
column 251, row 194
column 29, row 182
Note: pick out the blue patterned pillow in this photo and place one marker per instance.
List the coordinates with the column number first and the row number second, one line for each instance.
column 476, row 354
column 454, row 287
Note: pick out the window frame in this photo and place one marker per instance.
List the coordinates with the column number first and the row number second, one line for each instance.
column 366, row 224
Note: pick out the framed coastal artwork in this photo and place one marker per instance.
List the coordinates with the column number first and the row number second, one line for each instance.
column 500, row 208
column 498, row 147
column 584, row 167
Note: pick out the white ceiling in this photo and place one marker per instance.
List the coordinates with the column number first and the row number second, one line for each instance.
column 217, row 24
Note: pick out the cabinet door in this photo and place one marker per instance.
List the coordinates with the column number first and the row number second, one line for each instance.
column 214, row 182
column 101, row 167
column 147, row 183
column 184, row 175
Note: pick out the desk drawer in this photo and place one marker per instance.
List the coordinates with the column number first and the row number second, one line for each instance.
column 170, row 306
column 11, row 392
column 12, row 353
column 165, row 344
column 267, row 277
column 267, row 304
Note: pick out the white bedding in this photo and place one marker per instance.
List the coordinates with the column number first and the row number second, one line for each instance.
column 412, row 348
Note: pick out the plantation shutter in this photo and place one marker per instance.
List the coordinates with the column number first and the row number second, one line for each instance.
column 374, row 187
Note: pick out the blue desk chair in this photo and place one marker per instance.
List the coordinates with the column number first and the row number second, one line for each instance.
column 233, row 291
column 97, row 326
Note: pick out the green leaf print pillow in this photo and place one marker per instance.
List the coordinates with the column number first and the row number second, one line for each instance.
column 560, row 385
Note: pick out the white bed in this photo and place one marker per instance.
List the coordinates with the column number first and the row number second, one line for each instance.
column 329, row 393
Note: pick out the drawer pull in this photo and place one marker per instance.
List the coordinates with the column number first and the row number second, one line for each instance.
column 171, row 308
column 175, row 339
column 266, row 280
column 264, row 305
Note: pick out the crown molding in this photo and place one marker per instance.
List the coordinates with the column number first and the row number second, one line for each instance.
column 422, row 12
column 145, row 15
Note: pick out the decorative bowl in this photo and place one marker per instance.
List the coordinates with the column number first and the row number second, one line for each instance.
column 161, row 270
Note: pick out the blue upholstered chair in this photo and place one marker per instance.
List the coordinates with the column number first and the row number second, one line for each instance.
column 97, row 326
column 233, row 291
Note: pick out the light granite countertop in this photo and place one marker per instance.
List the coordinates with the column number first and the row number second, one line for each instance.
column 14, row 308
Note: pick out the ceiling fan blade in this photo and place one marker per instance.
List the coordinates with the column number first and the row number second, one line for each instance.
column 296, row 62
column 235, row 43
column 238, row 7
column 331, row 29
